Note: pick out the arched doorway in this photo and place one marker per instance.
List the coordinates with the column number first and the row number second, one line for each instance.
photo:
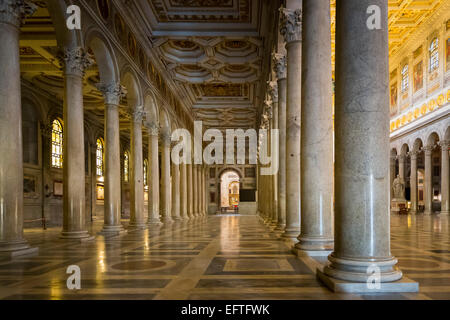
column 229, row 191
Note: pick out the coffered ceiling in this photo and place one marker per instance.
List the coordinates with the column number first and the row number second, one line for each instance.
column 216, row 52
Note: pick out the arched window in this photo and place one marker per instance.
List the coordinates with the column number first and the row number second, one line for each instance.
column 99, row 157
column 126, row 166
column 57, row 144
column 405, row 78
column 434, row 54
column 145, row 173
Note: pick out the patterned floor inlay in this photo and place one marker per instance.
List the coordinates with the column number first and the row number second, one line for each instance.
column 222, row 257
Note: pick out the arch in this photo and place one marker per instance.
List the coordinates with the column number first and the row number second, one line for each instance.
column 447, row 134
column 394, row 152
column 433, row 138
column 151, row 108
column 57, row 138
column 405, row 149
column 418, row 144
column 104, row 56
column 229, row 180
column 128, row 79
column 164, row 121
column 237, row 170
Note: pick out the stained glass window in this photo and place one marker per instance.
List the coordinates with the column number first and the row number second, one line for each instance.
column 405, row 78
column 434, row 54
column 126, row 166
column 99, row 157
column 57, row 144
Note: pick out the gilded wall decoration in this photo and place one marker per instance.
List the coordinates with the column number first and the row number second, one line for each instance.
column 418, row 76
column 394, row 96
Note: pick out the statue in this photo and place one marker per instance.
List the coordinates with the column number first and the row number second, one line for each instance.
column 399, row 188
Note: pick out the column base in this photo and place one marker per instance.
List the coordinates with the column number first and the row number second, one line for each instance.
column 132, row 226
column 444, row 213
column 428, row 213
column 356, row 270
column 112, row 230
column 413, row 212
column 76, row 235
column 167, row 220
column 291, row 233
column 315, row 244
column 13, row 249
column 154, row 222
column 280, row 227
column 336, row 285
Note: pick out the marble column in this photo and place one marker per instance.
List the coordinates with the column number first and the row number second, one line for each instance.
column 290, row 29
column 392, row 162
column 428, row 180
column 11, row 170
column 137, row 219
column 445, row 177
column 190, row 192
column 112, row 207
column 273, row 93
column 175, row 192
column 317, row 131
column 195, row 191
column 401, row 167
column 413, row 182
column 280, row 69
column 183, row 192
column 165, row 178
column 362, row 226
column 153, row 175
column 74, row 62
column 203, row 190
column 199, row 189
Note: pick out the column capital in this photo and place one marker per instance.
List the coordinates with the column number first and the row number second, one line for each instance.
column 137, row 114
column 273, row 90
column 112, row 92
column 15, row 11
column 444, row 144
column 166, row 138
column 74, row 61
column 291, row 24
column 401, row 157
column 413, row 154
column 428, row 150
column 152, row 127
column 280, row 65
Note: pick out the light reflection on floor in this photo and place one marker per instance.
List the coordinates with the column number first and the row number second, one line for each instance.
column 222, row 257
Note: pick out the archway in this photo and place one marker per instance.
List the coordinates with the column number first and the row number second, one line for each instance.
column 229, row 191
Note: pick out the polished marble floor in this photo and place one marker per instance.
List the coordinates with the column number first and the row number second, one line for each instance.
column 219, row 257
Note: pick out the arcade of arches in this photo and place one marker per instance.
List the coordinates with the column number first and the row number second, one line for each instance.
column 363, row 120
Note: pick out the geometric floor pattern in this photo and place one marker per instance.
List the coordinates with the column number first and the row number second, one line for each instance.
column 219, row 257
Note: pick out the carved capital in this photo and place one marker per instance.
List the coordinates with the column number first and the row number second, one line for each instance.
column 444, row 144
column 166, row 138
column 428, row 150
column 413, row 154
column 15, row 11
column 273, row 90
column 280, row 63
column 74, row 61
column 137, row 114
column 291, row 24
column 152, row 128
column 112, row 92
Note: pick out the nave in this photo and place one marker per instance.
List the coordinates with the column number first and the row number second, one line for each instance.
column 218, row 257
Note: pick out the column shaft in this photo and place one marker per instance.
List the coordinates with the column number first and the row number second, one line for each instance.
column 175, row 191
column 11, row 159
column 317, row 130
column 137, row 219
column 291, row 29
column 190, row 191
column 282, row 154
column 362, row 229
column 428, row 181
column 153, row 180
column 445, row 178
column 183, row 192
column 413, row 183
column 165, row 179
